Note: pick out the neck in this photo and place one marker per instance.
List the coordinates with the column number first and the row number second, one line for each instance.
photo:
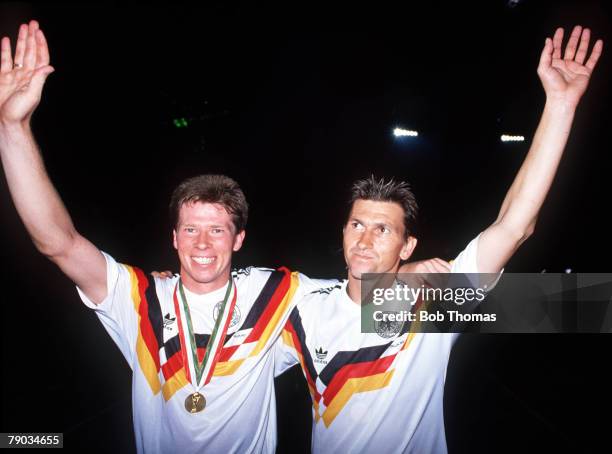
column 354, row 285
column 354, row 289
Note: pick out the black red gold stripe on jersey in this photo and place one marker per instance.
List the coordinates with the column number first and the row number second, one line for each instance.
column 347, row 373
column 150, row 325
column 263, row 320
column 275, row 299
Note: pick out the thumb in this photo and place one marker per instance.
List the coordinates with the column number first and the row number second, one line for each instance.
column 546, row 56
column 39, row 77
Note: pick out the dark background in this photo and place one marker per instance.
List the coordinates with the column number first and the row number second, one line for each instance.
column 295, row 103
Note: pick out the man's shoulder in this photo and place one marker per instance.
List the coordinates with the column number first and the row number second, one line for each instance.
column 323, row 296
column 251, row 272
column 327, row 288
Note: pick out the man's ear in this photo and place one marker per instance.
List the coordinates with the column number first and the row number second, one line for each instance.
column 174, row 243
column 238, row 240
column 408, row 248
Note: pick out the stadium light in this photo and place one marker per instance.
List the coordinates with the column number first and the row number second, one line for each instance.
column 509, row 138
column 401, row 132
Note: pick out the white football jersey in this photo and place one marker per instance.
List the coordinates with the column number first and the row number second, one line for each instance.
column 371, row 392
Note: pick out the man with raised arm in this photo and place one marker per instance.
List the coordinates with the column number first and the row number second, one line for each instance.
column 383, row 392
column 198, row 345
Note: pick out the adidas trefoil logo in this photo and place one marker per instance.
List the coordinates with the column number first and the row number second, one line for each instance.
column 321, row 354
column 168, row 320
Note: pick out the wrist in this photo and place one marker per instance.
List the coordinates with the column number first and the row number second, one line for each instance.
column 11, row 127
column 14, row 132
column 560, row 105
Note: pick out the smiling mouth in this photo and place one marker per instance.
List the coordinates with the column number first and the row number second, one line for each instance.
column 203, row 260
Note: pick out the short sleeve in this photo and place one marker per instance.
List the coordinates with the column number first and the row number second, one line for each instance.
column 467, row 263
column 116, row 311
column 285, row 354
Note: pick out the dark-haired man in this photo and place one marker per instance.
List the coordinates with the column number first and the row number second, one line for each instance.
column 174, row 348
column 380, row 393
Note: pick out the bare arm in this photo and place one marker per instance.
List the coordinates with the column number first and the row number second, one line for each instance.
column 565, row 81
column 37, row 202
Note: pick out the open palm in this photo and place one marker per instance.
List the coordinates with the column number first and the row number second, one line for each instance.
column 567, row 77
column 22, row 78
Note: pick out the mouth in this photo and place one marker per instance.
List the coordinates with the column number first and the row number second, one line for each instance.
column 203, row 260
column 362, row 257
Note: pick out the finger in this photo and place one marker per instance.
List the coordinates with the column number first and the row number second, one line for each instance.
column 29, row 59
column 584, row 46
column 429, row 267
column 439, row 269
column 557, row 41
column 21, row 44
column 42, row 49
column 572, row 43
column 443, row 265
column 595, row 54
column 6, row 60
column 546, row 55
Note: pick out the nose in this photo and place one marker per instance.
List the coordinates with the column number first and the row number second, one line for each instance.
column 365, row 240
column 202, row 240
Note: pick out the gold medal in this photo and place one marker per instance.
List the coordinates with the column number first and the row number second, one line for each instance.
column 195, row 403
column 200, row 371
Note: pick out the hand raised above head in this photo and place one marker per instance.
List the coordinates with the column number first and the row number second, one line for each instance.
column 22, row 78
column 566, row 77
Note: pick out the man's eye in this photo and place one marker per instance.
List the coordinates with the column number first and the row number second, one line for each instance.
column 384, row 230
column 355, row 224
column 217, row 230
column 190, row 229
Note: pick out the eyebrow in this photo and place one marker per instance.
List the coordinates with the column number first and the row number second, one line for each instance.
column 213, row 226
column 382, row 224
column 376, row 224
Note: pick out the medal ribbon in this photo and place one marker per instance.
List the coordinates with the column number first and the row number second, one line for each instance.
column 199, row 374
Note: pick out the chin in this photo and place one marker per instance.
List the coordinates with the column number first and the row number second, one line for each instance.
column 204, row 277
column 358, row 272
column 208, row 278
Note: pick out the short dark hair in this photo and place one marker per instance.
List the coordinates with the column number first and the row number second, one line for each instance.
column 387, row 191
column 211, row 189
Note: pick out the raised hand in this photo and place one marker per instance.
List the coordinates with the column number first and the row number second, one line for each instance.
column 567, row 77
column 22, row 77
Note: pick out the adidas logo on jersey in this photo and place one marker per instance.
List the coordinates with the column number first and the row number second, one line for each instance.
column 321, row 354
column 168, row 321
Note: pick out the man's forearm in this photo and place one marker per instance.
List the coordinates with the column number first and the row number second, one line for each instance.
column 37, row 202
column 525, row 197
